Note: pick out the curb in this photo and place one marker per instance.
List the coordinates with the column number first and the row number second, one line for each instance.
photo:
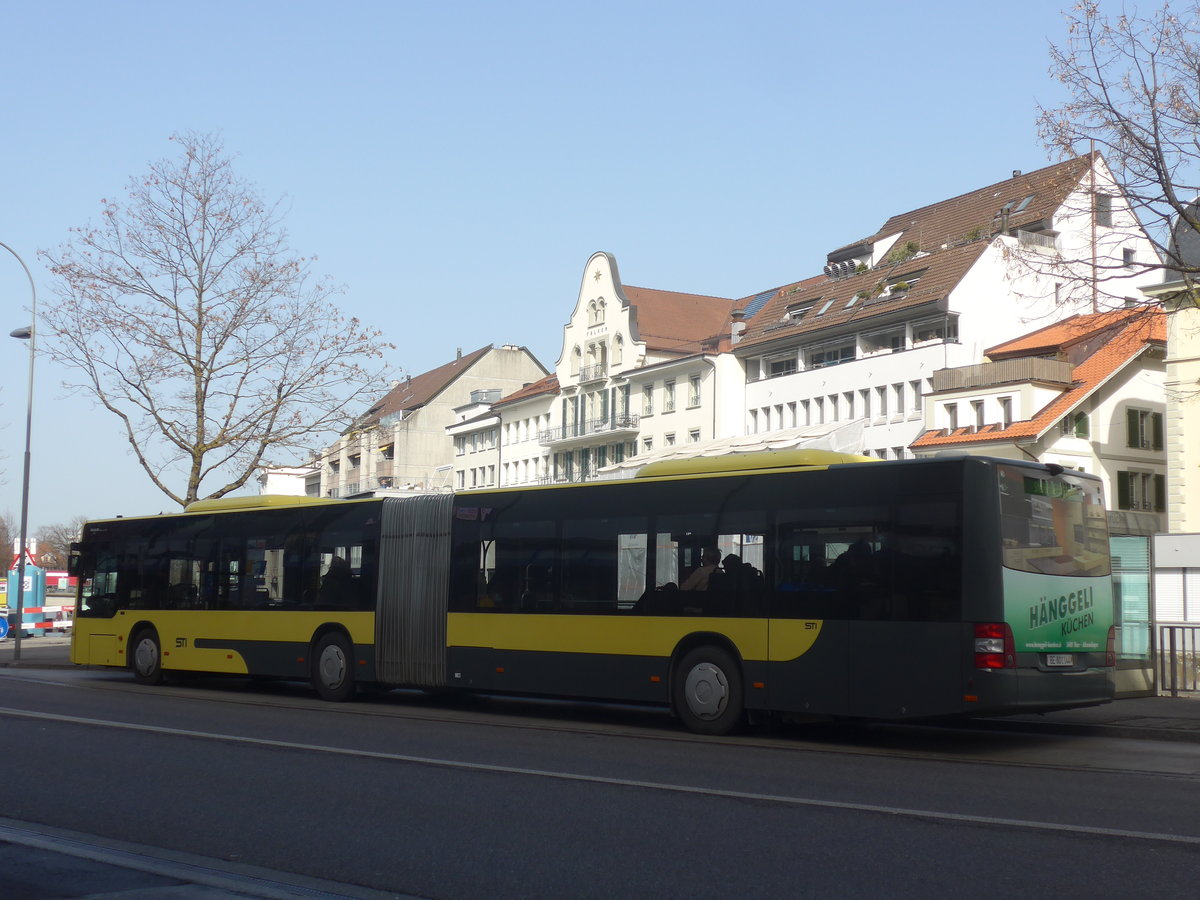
column 1094, row 729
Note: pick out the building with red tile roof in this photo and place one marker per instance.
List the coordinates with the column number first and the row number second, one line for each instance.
column 401, row 444
column 1085, row 393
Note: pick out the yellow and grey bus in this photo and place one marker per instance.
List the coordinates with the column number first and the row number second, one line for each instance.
column 846, row 587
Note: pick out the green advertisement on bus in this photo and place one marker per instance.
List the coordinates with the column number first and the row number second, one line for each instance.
column 1054, row 613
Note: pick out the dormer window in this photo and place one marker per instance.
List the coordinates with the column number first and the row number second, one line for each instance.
column 795, row 314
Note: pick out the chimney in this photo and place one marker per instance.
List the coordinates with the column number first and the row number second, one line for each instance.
column 1016, row 173
column 738, row 327
column 457, row 358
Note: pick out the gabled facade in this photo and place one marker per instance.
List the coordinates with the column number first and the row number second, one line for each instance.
column 930, row 290
column 639, row 369
column 402, row 444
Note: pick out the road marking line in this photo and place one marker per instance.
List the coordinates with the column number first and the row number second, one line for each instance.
column 237, row 879
column 896, row 811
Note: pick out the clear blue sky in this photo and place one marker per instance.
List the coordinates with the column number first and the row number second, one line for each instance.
column 454, row 165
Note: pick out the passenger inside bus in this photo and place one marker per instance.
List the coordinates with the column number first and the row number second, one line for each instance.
column 338, row 584
column 699, row 578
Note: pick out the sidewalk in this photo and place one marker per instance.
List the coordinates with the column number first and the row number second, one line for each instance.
column 1152, row 718
column 46, row 651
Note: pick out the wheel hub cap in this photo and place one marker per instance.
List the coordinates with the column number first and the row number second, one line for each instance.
column 706, row 690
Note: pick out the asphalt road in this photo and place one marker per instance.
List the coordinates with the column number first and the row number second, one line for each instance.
column 431, row 797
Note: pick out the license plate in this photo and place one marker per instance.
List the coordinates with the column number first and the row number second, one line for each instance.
column 1060, row 659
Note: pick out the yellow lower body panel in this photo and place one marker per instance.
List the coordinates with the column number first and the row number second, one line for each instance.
column 655, row 636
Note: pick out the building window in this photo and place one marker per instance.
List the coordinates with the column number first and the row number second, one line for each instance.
column 669, row 396
column 694, row 436
column 1144, row 428
column 881, row 404
column 694, row 390
column 977, row 409
column 648, row 400
column 1128, row 257
column 830, row 356
column 1077, row 424
column 848, row 404
column 914, row 396
column 952, row 416
column 779, row 367
column 669, row 439
column 647, row 444
column 1006, row 411
column 1104, row 210
column 1141, row 490
column 936, row 330
column 888, row 341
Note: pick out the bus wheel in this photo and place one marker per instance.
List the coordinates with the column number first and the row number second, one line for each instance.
column 707, row 690
column 333, row 673
column 145, row 658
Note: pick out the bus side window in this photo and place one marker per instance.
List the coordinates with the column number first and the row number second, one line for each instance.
column 926, row 556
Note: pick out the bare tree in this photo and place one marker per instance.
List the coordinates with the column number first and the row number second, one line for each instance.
column 1133, row 94
column 185, row 314
column 54, row 542
column 9, row 534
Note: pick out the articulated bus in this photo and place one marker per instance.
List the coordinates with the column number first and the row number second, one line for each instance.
column 847, row 587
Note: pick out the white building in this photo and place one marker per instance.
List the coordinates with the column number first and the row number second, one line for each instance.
column 930, row 290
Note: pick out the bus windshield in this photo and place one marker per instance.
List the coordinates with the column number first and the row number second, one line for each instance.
column 1052, row 524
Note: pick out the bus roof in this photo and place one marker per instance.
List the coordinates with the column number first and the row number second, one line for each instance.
column 760, row 461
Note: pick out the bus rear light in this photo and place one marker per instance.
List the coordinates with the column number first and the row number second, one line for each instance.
column 1110, row 655
column 994, row 646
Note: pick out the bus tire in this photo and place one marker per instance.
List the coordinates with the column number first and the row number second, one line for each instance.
column 333, row 668
column 707, row 691
column 145, row 657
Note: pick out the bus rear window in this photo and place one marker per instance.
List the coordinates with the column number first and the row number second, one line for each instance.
column 1052, row 524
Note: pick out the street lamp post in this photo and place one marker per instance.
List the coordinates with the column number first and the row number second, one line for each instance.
column 28, row 334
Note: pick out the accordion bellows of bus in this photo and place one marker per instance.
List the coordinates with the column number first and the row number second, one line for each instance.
column 794, row 583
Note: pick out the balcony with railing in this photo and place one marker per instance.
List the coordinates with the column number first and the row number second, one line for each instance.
column 1007, row 371
column 580, row 432
column 1039, row 240
column 593, row 373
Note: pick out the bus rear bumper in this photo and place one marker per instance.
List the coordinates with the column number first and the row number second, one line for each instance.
column 1007, row 691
